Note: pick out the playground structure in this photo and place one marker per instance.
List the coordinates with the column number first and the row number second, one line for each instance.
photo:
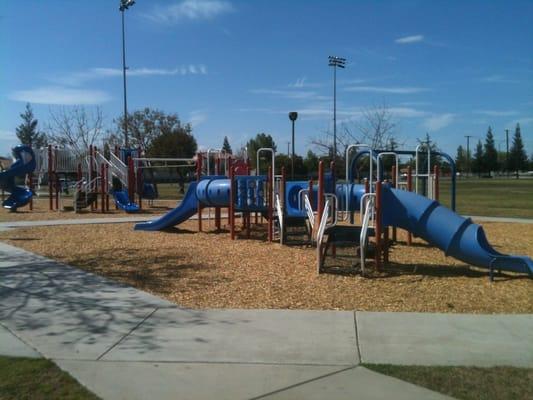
column 92, row 177
column 23, row 165
column 327, row 210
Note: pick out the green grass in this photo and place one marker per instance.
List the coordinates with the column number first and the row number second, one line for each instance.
column 495, row 197
column 469, row 383
column 38, row 379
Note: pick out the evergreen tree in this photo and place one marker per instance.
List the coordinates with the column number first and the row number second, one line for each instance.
column 477, row 162
column 461, row 160
column 226, row 146
column 27, row 131
column 517, row 153
column 490, row 157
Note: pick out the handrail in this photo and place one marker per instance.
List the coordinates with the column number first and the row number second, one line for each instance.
column 417, row 174
column 347, row 159
column 273, row 161
column 309, row 211
column 277, row 203
column 363, row 205
column 363, row 237
column 388, row 153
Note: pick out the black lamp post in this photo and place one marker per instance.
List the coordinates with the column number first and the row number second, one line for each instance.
column 335, row 62
column 293, row 115
column 124, row 5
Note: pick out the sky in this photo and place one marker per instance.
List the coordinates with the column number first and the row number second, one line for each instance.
column 237, row 68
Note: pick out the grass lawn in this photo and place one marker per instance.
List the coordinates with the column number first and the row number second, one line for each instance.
column 495, row 197
column 498, row 383
column 24, row 378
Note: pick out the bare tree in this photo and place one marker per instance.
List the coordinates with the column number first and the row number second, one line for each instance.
column 375, row 126
column 75, row 128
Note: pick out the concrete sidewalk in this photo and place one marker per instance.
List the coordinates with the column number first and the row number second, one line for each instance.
column 124, row 343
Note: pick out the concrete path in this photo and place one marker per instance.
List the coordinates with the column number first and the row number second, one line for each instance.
column 124, row 343
column 501, row 219
column 73, row 221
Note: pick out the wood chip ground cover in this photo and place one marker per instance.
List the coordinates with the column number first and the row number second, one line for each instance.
column 208, row 270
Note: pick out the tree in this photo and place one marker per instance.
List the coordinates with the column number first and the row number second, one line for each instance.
column 311, row 163
column 226, row 146
column 490, row 157
column 477, row 162
column 27, row 131
column 144, row 126
column 76, row 128
column 177, row 142
column 461, row 159
column 422, row 155
column 261, row 140
column 375, row 126
column 517, row 153
column 283, row 160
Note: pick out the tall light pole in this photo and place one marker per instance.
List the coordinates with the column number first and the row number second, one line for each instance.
column 124, row 5
column 468, row 154
column 293, row 115
column 335, row 62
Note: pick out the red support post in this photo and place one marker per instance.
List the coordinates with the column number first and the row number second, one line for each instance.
column 311, row 201
column 320, row 200
column 410, row 189
column 50, row 177
column 378, row 227
column 198, row 177
column 131, row 179
column 102, row 187
column 140, row 186
column 106, row 187
column 231, row 208
column 394, row 185
column 436, row 173
column 270, row 189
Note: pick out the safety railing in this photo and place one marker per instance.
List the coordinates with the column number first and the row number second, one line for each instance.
column 367, row 222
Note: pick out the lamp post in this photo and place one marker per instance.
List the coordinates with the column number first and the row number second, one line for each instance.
column 335, row 62
column 124, row 5
column 293, row 115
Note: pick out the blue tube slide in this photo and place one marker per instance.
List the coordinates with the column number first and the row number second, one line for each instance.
column 458, row 237
column 24, row 164
column 122, row 200
column 213, row 191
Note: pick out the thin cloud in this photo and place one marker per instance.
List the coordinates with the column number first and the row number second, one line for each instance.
column 78, row 78
column 437, row 122
column 497, row 113
column 409, row 39
column 58, row 95
column 498, row 79
column 197, row 117
column 192, row 10
column 390, row 90
column 291, row 94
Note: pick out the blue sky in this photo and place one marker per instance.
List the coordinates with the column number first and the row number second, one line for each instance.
column 237, row 68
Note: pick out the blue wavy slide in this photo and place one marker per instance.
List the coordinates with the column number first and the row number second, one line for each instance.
column 187, row 208
column 122, row 200
column 24, row 164
column 458, row 237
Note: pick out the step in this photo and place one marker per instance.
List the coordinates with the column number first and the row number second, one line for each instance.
column 345, row 234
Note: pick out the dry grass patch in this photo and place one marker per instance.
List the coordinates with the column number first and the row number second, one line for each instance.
column 208, row 270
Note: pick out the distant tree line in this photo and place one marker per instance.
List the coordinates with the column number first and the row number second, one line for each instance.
column 486, row 160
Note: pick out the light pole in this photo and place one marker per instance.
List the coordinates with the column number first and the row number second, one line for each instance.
column 124, row 5
column 335, row 62
column 293, row 115
column 468, row 154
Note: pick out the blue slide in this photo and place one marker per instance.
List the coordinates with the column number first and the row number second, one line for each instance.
column 458, row 237
column 24, row 164
column 122, row 200
column 187, row 208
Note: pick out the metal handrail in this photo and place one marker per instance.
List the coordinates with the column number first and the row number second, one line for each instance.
column 309, row 210
column 363, row 237
column 388, row 153
column 277, row 204
column 417, row 174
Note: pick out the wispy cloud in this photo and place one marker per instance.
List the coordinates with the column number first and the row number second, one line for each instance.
column 498, row 79
column 299, row 83
column 437, row 122
column 291, row 94
column 390, row 90
column 409, row 39
column 497, row 113
column 189, row 10
column 197, row 117
column 60, row 96
column 407, row 112
column 78, row 78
